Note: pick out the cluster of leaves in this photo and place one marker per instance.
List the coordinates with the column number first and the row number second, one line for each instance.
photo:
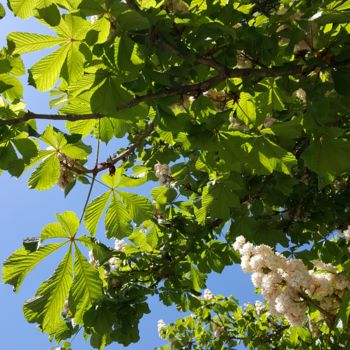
column 259, row 145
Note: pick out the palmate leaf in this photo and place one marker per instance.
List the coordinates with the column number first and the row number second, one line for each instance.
column 21, row 262
column 139, row 207
column 44, row 73
column 94, row 211
column 46, row 174
column 117, row 220
column 46, row 307
column 86, row 288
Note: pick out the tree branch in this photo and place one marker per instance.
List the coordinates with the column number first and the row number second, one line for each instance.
column 124, row 155
column 190, row 89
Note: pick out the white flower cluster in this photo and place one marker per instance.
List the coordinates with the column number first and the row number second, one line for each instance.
column 113, row 264
column 286, row 284
column 346, row 234
column 119, row 245
column 259, row 307
column 162, row 172
column 207, row 295
column 160, row 325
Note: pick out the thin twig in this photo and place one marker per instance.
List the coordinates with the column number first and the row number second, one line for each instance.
column 94, row 174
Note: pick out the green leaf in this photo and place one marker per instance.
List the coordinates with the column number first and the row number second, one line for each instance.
column 117, row 220
column 163, row 194
column 45, row 72
column 94, row 211
column 75, row 62
column 46, row 174
column 113, row 180
column 265, row 156
column 132, row 20
column 75, row 152
column 110, row 94
column 126, row 54
column 20, row 263
column 341, row 77
column 22, row 8
column 86, row 288
column 344, row 310
column 14, row 88
column 47, row 305
column 2, row 12
column 27, row 147
column 327, row 157
column 49, row 12
column 196, row 279
column 53, row 138
column 126, row 181
column 139, row 207
column 53, row 230
column 82, row 127
column 29, row 42
column 69, row 221
column 246, row 108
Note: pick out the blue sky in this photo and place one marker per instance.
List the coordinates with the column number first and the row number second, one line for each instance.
column 25, row 212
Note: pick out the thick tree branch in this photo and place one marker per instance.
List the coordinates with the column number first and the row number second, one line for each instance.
column 190, row 89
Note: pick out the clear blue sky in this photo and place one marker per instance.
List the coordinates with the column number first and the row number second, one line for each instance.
column 25, row 212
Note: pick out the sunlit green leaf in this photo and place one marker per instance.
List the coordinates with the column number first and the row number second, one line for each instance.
column 21, row 262
column 47, row 305
column 94, row 211
column 46, row 174
column 86, row 288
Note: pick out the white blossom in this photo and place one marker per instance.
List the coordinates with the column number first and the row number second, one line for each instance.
column 259, row 307
column 245, row 264
column 239, row 242
column 119, row 245
column 296, row 274
column 160, row 325
column 247, row 249
column 346, row 233
column 208, row 295
column 257, row 278
column 113, row 263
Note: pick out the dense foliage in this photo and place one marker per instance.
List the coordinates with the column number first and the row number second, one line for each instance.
column 240, row 109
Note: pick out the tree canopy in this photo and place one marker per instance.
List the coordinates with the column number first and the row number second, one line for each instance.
column 240, row 111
